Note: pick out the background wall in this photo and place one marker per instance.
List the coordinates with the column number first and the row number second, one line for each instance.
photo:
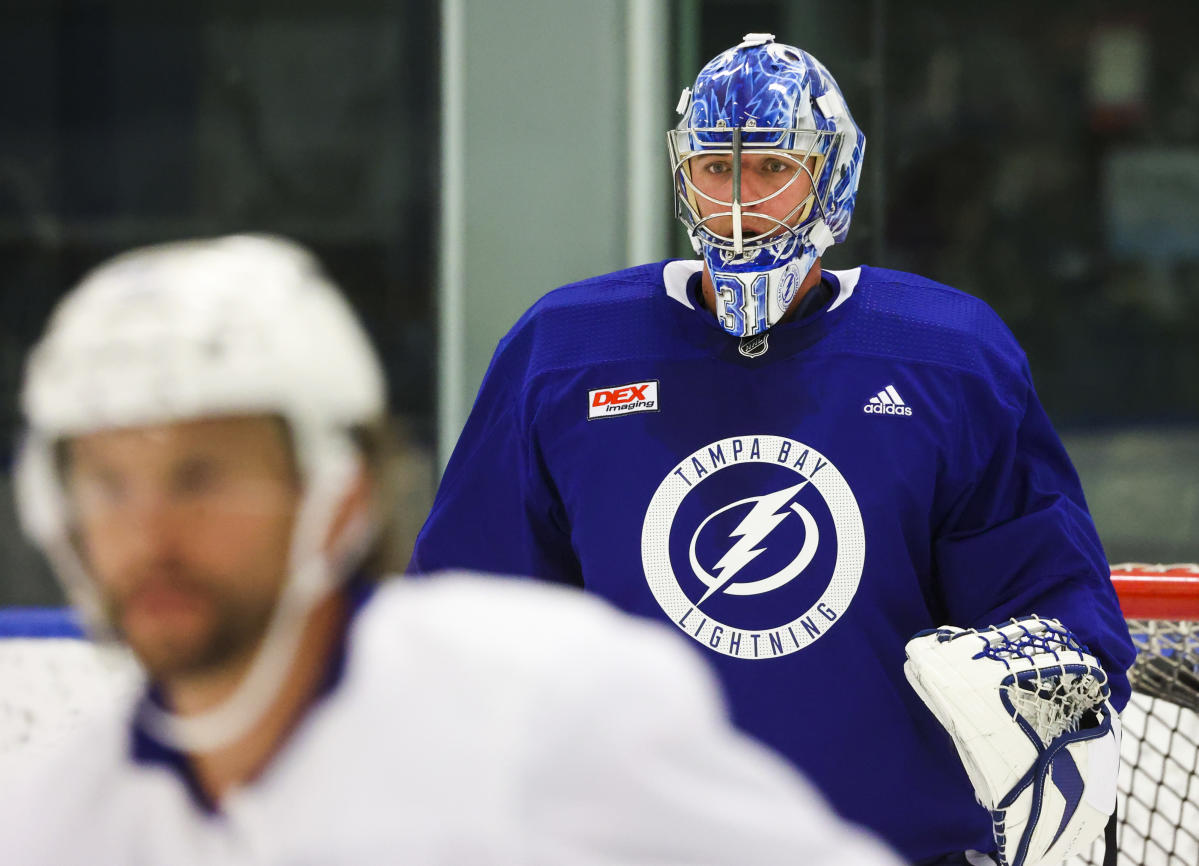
column 452, row 160
column 552, row 112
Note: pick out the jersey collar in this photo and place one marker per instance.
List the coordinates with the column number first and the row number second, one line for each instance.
column 681, row 280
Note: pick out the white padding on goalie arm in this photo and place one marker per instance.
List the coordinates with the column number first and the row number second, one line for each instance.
column 1026, row 706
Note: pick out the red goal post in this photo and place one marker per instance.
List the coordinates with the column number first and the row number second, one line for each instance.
column 1147, row 591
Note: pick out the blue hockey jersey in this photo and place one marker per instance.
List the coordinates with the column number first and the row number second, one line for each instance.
column 884, row 466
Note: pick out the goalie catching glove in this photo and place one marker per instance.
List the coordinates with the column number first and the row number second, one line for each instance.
column 1026, row 706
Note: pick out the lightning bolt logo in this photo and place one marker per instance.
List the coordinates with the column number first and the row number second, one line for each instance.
column 775, row 575
column 767, row 513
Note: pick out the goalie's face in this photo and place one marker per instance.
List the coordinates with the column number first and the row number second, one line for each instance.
column 186, row 529
column 775, row 192
column 745, row 204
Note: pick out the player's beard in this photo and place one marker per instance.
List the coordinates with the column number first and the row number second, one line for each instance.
column 226, row 626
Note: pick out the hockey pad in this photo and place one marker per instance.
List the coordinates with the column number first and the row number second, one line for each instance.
column 1026, row 706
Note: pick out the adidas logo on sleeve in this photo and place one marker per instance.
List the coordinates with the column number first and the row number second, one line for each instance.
column 887, row 402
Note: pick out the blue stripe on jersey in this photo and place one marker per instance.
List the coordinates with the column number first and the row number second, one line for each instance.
column 39, row 622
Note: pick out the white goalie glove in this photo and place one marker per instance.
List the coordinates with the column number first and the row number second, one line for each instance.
column 1026, row 706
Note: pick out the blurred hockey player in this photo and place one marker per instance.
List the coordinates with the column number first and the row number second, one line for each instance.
column 802, row 469
column 203, row 469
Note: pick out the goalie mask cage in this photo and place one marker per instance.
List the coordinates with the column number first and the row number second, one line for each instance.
column 50, row 680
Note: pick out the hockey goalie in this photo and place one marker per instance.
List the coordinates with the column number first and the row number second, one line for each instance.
column 1027, row 708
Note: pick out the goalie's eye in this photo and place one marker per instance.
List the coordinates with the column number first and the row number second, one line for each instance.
column 715, row 166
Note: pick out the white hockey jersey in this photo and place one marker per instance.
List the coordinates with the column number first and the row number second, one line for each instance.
column 471, row 722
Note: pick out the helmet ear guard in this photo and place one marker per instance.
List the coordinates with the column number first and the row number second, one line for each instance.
column 762, row 99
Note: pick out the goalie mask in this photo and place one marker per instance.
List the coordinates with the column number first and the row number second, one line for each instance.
column 766, row 161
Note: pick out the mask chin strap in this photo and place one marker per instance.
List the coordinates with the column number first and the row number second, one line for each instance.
column 820, row 237
column 311, row 577
column 738, row 236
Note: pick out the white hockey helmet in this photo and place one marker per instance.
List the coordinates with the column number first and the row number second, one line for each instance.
column 242, row 324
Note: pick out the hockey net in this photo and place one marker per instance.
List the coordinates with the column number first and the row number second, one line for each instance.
column 50, row 680
column 1158, row 802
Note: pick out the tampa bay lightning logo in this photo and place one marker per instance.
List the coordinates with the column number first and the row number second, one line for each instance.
column 766, row 513
column 760, row 575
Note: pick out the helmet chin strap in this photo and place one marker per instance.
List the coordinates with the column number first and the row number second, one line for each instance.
column 233, row 717
column 313, row 575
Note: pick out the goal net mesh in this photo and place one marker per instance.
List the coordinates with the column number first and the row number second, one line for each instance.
column 1159, row 775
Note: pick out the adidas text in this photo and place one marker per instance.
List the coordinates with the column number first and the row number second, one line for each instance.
column 879, row 409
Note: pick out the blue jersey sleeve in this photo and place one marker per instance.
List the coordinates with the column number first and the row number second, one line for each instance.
column 1018, row 539
column 496, row 509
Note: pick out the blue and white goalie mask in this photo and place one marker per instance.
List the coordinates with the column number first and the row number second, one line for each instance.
column 766, row 162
